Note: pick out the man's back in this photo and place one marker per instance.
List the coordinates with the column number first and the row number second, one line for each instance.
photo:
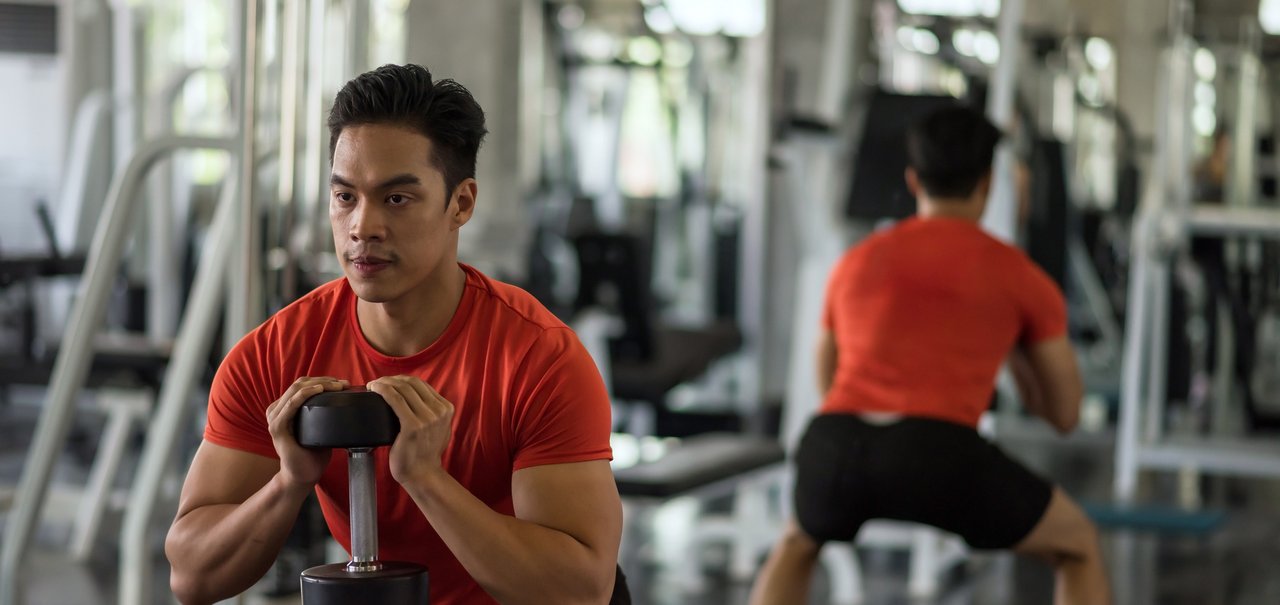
column 924, row 313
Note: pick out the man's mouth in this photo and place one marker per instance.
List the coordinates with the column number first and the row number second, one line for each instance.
column 369, row 265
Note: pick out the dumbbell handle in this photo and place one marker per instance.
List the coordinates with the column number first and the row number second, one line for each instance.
column 363, row 510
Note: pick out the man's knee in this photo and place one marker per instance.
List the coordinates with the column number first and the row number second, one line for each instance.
column 796, row 541
column 1064, row 533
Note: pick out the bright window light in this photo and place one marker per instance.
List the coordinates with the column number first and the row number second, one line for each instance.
column 962, row 39
column 1205, row 65
column 951, row 8
column 987, row 47
column 659, row 20
column 1098, row 53
column 644, row 50
column 1269, row 16
column 744, row 20
column 925, row 41
column 706, row 17
column 906, row 37
column 1205, row 94
column 1203, row 120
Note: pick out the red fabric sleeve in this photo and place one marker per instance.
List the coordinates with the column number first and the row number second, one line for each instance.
column 1043, row 308
column 564, row 413
column 242, row 389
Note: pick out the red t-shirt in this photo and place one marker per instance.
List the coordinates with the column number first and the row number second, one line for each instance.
column 525, row 393
column 925, row 312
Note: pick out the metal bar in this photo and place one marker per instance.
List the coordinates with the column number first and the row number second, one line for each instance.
column 313, row 161
column 122, row 409
column 287, row 162
column 164, row 279
column 755, row 239
column 838, row 52
column 1133, row 362
column 191, row 349
column 1157, row 365
column 90, row 118
column 363, row 510
column 1241, row 186
column 1095, row 294
column 72, row 364
column 1213, row 458
column 1001, row 216
column 1209, row 219
column 246, row 290
column 358, row 21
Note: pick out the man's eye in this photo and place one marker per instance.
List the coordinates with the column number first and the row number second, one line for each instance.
column 396, row 199
column 343, row 196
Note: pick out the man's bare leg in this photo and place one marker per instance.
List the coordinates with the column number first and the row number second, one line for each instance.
column 1068, row 540
column 788, row 572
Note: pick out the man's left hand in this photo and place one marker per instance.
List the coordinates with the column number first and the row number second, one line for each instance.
column 426, row 423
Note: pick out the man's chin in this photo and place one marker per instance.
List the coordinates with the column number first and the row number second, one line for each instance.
column 369, row 292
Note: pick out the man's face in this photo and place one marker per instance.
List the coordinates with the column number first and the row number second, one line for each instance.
column 395, row 228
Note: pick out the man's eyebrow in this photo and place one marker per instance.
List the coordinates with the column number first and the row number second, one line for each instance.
column 399, row 180
column 395, row 181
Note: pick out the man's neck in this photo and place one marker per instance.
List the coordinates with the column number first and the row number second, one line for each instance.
column 969, row 209
column 409, row 324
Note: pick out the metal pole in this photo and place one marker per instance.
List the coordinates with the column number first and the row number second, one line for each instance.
column 244, row 308
column 1134, row 361
column 1240, row 187
column 755, row 243
column 191, row 348
column 837, row 55
column 75, row 351
column 363, row 497
column 287, row 162
column 1001, row 217
column 313, row 161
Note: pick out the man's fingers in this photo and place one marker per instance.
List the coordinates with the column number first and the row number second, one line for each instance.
column 394, row 398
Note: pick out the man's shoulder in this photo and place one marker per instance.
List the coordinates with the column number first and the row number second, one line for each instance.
column 314, row 305
column 509, row 305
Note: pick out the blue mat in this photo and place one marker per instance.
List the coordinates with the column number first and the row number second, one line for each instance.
column 1155, row 518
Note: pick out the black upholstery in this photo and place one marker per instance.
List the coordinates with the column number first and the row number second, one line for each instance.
column 697, row 462
column 879, row 189
column 648, row 358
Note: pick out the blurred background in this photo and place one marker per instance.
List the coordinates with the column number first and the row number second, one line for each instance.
column 673, row 178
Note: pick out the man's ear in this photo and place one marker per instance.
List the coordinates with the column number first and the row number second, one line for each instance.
column 462, row 203
column 983, row 190
column 913, row 181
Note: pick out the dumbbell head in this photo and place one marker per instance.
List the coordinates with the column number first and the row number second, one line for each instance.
column 354, row 418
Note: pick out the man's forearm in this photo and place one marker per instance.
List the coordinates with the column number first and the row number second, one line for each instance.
column 219, row 551
column 515, row 561
column 1029, row 389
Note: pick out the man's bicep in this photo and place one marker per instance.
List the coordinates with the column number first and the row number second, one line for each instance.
column 578, row 498
column 222, row 475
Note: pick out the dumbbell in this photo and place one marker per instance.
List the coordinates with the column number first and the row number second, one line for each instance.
column 358, row 421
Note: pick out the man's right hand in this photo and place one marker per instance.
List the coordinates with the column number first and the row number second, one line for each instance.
column 299, row 466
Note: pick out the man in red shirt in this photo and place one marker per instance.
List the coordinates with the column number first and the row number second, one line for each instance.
column 499, row 481
column 917, row 321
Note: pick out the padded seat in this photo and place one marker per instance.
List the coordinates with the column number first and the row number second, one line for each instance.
column 697, row 462
column 680, row 355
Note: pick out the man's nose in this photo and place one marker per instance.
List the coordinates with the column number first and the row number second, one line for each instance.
column 368, row 221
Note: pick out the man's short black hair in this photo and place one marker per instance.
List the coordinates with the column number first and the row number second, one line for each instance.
column 405, row 95
column 951, row 150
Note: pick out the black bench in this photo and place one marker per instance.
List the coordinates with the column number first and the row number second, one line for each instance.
column 699, row 462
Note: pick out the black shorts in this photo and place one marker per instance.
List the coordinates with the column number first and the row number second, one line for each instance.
column 938, row 473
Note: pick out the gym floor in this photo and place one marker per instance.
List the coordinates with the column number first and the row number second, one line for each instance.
column 1233, row 564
